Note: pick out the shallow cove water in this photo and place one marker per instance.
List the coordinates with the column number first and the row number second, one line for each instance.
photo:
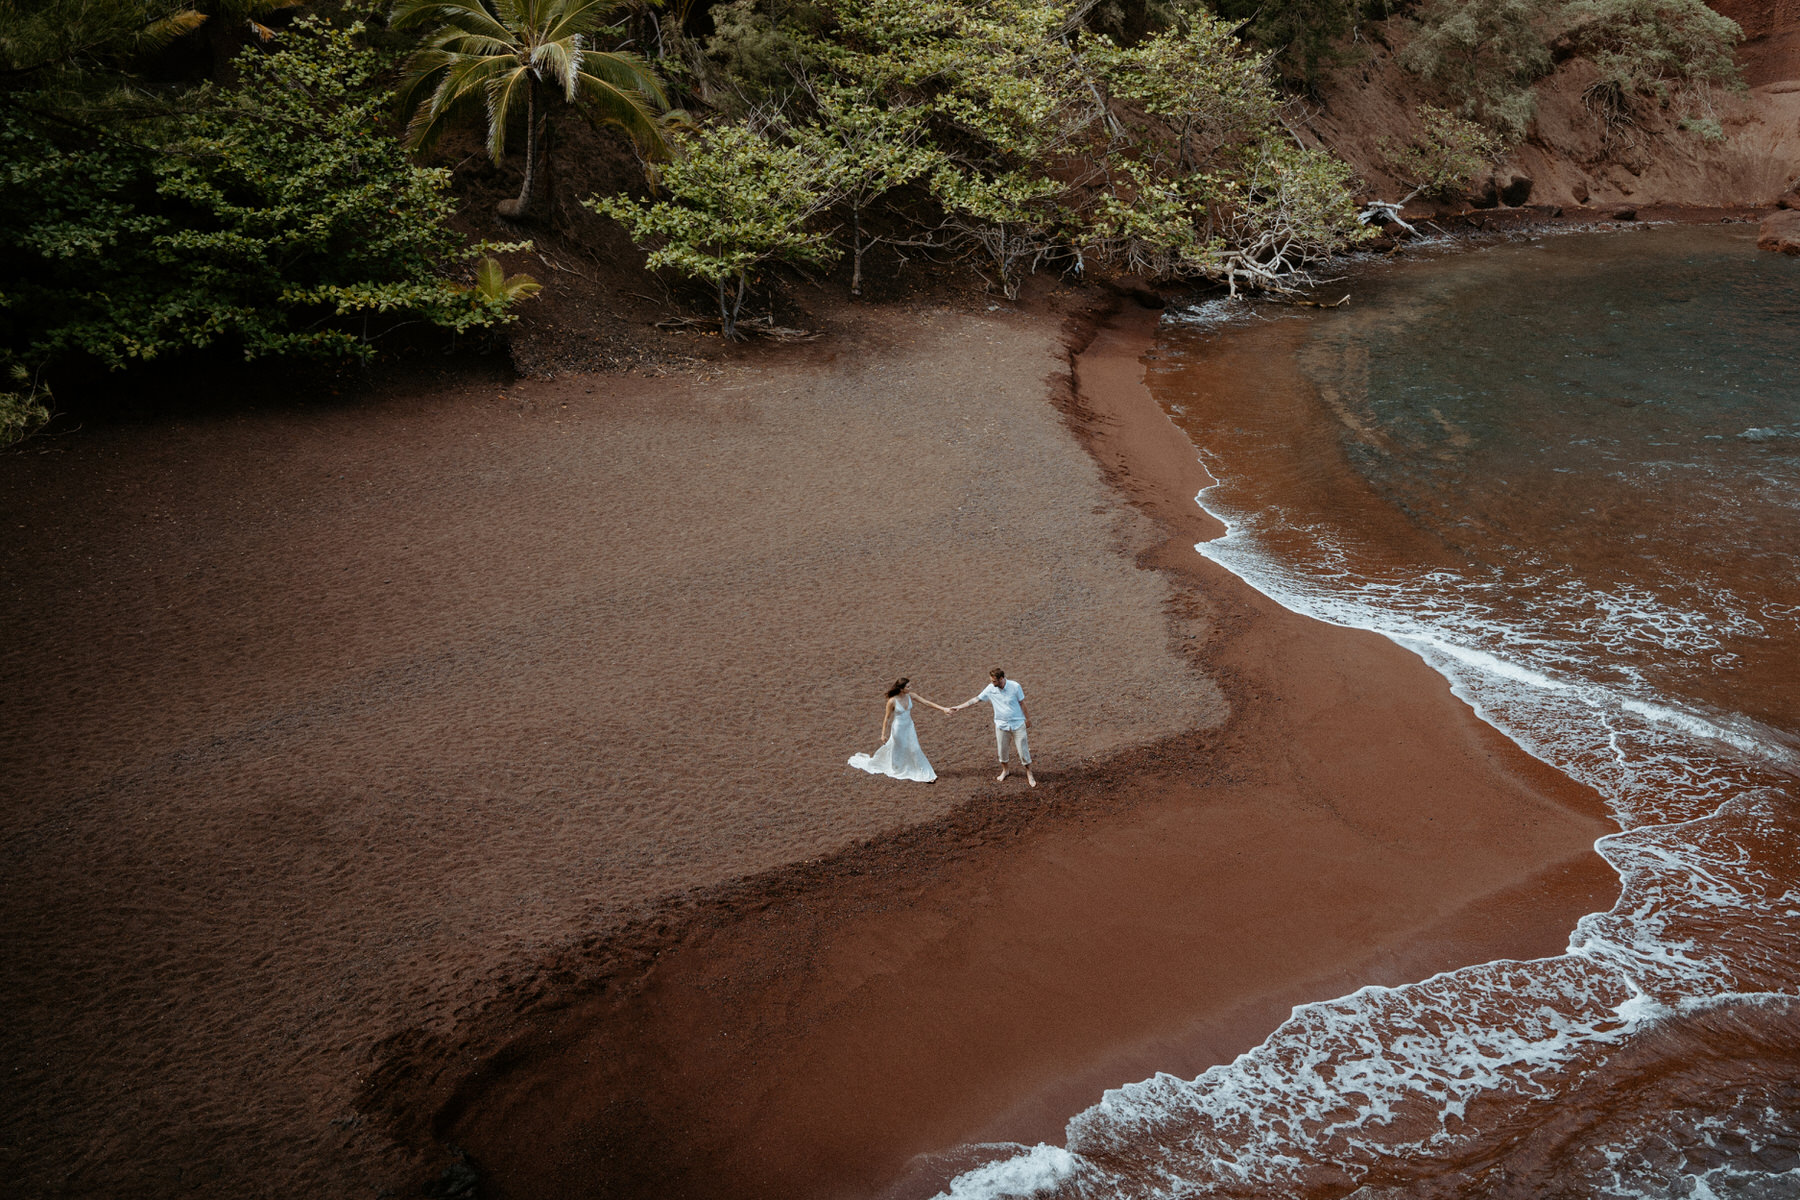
column 1566, row 473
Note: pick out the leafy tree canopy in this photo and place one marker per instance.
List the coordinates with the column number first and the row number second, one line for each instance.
column 278, row 217
column 1016, row 135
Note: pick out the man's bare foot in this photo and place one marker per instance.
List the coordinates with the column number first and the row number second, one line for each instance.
column 1029, row 778
column 1001, row 777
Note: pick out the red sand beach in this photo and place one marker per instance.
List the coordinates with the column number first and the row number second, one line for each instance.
column 466, row 766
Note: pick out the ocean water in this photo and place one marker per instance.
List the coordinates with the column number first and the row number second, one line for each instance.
column 1565, row 471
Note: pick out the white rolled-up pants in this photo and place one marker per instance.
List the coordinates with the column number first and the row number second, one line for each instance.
column 1015, row 738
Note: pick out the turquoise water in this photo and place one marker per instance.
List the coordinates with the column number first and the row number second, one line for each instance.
column 1566, row 472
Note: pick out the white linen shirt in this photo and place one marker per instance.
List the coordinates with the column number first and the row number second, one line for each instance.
column 1008, row 702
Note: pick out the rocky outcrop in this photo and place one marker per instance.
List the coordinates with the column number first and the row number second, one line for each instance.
column 1781, row 233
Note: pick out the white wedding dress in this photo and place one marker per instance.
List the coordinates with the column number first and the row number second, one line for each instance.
column 900, row 755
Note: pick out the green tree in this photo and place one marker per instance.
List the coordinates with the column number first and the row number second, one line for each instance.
column 882, row 148
column 498, row 57
column 278, row 219
column 730, row 200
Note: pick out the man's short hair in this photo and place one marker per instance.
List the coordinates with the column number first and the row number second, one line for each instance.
column 996, row 673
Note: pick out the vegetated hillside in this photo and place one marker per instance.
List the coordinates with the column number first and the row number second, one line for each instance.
column 1572, row 154
column 600, row 307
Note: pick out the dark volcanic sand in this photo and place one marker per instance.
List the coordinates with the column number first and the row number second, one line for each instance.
column 331, row 723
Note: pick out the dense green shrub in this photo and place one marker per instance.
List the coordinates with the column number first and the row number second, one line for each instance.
column 1659, row 51
column 1442, row 155
column 279, row 217
column 1485, row 54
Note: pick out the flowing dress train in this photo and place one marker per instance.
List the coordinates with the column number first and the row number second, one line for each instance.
column 900, row 755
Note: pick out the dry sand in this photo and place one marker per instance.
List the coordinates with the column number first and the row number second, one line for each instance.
column 346, row 745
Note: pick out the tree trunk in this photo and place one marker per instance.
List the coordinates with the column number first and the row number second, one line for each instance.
column 520, row 209
column 223, row 41
column 856, row 243
column 730, row 306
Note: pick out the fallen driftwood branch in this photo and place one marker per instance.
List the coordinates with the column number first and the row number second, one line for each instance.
column 1386, row 212
column 760, row 326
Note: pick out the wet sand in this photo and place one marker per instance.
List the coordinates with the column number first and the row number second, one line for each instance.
column 465, row 766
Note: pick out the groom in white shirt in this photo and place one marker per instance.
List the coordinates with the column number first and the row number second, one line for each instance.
column 1010, row 718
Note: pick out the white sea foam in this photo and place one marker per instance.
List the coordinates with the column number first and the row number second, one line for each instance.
column 1214, row 313
column 1038, row 1170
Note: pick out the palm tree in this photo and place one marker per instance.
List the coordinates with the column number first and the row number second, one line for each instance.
column 492, row 56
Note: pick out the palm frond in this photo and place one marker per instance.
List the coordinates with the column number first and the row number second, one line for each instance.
column 462, row 85
column 159, row 33
column 514, row 14
column 625, row 71
column 503, row 92
column 474, row 44
column 419, row 79
column 576, row 17
column 630, row 110
column 472, row 16
column 559, row 63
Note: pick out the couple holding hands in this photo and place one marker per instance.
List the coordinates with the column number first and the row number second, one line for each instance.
column 900, row 755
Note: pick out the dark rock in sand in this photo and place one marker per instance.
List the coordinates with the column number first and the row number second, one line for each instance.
column 1485, row 194
column 1626, row 213
column 1781, row 233
column 1513, row 187
column 1579, row 193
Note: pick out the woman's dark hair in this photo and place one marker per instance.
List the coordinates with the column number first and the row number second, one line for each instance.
column 899, row 686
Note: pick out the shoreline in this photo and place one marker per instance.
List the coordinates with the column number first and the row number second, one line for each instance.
column 1169, row 835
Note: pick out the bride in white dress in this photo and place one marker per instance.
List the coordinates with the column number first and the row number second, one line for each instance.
column 899, row 755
